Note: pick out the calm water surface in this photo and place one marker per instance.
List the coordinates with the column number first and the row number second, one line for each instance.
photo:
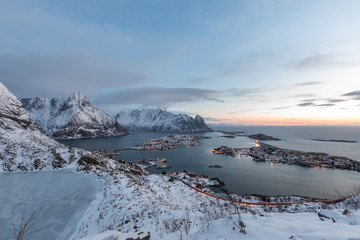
column 242, row 175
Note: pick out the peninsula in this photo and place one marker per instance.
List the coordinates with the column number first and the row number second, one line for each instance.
column 267, row 153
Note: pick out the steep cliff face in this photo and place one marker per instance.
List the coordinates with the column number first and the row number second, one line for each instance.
column 74, row 117
column 159, row 120
column 22, row 146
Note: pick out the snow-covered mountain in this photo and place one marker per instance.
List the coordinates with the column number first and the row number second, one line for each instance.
column 159, row 120
column 74, row 117
column 22, row 146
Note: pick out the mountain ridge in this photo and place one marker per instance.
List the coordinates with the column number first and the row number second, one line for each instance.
column 71, row 118
column 158, row 120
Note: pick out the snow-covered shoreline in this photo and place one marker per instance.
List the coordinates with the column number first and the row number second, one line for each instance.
column 152, row 205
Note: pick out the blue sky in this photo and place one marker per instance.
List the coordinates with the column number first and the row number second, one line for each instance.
column 252, row 62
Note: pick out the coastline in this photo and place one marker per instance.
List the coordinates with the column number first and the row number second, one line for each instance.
column 141, row 196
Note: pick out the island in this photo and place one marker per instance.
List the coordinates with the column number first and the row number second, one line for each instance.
column 333, row 140
column 168, row 142
column 267, row 153
column 215, row 166
column 261, row 136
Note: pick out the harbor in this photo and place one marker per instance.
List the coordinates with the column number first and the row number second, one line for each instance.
column 159, row 163
column 241, row 176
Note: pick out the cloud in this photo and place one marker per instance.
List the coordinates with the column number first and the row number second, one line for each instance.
column 325, row 105
column 243, row 110
column 306, row 104
column 163, row 97
column 312, row 61
column 28, row 26
column 305, row 95
column 307, row 84
column 355, row 93
column 242, row 92
column 60, row 74
column 320, row 60
column 280, row 108
column 235, row 68
column 336, row 100
column 311, row 103
column 210, row 119
column 157, row 96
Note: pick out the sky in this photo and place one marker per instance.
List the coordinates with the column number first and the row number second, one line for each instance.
column 258, row 62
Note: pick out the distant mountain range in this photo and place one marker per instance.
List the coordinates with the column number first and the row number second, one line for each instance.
column 158, row 120
column 70, row 118
column 75, row 117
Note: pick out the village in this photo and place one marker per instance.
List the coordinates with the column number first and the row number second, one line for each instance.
column 199, row 182
column 158, row 163
column 267, row 153
column 168, row 142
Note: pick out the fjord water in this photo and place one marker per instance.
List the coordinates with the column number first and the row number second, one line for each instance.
column 59, row 197
column 242, row 175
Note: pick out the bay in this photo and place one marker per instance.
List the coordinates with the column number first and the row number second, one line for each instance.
column 242, row 175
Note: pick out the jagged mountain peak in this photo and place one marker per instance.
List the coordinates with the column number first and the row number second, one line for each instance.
column 79, row 98
column 73, row 117
column 159, row 120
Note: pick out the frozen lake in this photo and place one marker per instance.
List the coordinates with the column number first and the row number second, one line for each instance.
column 60, row 198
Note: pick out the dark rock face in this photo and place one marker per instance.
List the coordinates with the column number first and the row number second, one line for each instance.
column 58, row 161
column 261, row 136
column 215, row 166
column 158, row 120
column 12, row 111
column 22, row 146
column 74, row 117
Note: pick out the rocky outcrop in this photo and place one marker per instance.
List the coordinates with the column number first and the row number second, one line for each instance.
column 261, row 136
column 22, row 146
column 158, row 120
column 70, row 118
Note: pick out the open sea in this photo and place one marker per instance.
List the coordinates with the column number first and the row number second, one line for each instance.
column 242, row 175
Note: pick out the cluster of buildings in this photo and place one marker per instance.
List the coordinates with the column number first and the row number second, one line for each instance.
column 168, row 142
column 158, row 163
column 267, row 153
column 224, row 150
column 200, row 182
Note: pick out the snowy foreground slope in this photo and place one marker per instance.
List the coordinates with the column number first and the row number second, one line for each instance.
column 74, row 117
column 158, row 120
column 150, row 206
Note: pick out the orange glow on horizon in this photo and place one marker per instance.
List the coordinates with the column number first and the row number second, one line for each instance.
column 273, row 121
